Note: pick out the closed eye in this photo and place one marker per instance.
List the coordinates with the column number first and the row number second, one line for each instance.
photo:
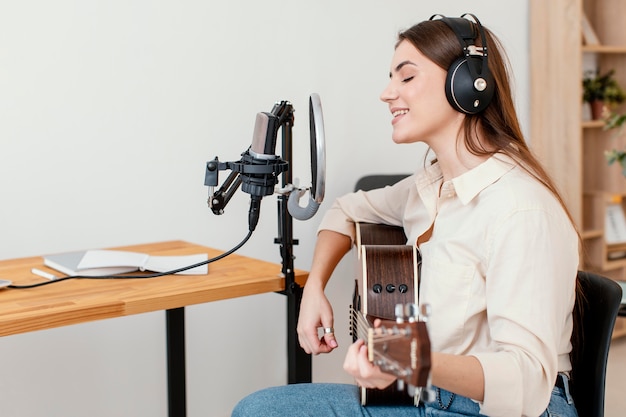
column 406, row 80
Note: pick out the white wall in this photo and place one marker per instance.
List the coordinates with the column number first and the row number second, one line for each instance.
column 109, row 111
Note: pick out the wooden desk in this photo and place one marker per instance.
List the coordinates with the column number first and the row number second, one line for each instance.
column 82, row 300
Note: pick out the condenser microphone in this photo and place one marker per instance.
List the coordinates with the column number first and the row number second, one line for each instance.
column 264, row 137
column 261, row 166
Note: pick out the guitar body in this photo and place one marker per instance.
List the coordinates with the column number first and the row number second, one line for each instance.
column 389, row 277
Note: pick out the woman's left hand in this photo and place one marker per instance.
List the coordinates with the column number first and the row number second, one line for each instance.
column 365, row 373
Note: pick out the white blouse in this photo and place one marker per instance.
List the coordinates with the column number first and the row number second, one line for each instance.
column 499, row 272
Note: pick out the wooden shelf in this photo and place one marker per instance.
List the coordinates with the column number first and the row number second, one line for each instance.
column 592, row 124
column 592, row 234
column 604, row 49
column 573, row 150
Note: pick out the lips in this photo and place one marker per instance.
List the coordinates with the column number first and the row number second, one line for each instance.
column 397, row 114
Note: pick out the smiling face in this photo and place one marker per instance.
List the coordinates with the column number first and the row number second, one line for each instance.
column 417, row 100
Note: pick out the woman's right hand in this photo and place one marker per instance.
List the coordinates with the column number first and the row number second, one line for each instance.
column 315, row 312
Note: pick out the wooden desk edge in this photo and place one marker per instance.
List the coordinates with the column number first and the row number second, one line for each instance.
column 17, row 317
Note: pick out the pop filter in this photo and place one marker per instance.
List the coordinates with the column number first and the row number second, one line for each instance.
column 318, row 165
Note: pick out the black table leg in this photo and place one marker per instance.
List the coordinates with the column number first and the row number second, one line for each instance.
column 176, row 379
column 299, row 363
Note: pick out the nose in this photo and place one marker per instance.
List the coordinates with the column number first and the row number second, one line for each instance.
column 389, row 93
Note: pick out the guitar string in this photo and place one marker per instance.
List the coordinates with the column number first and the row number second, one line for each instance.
column 387, row 363
column 363, row 326
column 390, row 365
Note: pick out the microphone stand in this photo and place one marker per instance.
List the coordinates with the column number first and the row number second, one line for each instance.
column 299, row 362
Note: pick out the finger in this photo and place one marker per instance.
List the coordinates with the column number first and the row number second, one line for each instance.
column 308, row 340
column 366, row 367
column 322, row 347
column 350, row 364
column 328, row 337
column 311, row 343
column 305, row 346
column 372, row 375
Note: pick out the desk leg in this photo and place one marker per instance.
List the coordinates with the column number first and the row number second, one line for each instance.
column 176, row 379
column 299, row 366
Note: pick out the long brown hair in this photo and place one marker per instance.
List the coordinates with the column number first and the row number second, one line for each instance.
column 498, row 123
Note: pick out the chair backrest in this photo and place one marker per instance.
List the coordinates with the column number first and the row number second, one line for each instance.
column 598, row 307
column 370, row 182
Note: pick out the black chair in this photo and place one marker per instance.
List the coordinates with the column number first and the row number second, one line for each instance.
column 370, row 182
column 597, row 310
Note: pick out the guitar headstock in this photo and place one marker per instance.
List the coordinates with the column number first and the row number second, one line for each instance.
column 402, row 347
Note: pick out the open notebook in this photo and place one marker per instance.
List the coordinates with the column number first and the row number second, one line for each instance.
column 111, row 262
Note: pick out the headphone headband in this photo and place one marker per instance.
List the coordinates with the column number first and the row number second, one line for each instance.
column 470, row 86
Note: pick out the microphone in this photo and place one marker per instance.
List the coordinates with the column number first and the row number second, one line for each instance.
column 258, row 169
column 259, row 165
column 261, row 152
column 264, row 136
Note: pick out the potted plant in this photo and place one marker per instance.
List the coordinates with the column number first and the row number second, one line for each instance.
column 616, row 121
column 600, row 91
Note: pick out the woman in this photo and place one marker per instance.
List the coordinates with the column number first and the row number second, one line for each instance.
column 499, row 250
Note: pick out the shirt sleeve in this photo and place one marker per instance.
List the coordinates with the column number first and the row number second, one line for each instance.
column 380, row 206
column 530, row 293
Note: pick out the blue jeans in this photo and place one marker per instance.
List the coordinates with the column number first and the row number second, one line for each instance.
column 342, row 400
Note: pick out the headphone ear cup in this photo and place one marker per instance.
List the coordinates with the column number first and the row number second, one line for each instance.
column 465, row 93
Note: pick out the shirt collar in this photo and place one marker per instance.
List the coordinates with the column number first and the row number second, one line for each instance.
column 472, row 182
column 469, row 184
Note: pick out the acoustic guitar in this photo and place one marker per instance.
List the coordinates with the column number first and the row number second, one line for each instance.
column 387, row 289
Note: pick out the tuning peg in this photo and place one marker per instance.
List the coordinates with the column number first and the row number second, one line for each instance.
column 399, row 312
column 411, row 312
column 400, row 384
column 425, row 311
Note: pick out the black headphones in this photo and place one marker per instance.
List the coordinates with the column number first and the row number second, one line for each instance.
column 469, row 84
